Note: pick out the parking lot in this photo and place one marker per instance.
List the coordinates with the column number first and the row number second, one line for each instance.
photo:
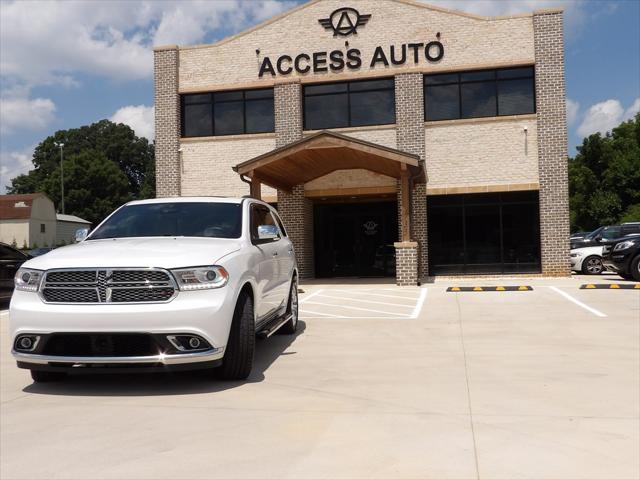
column 379, row 382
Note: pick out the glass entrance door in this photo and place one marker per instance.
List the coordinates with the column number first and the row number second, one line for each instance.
column 355, row 240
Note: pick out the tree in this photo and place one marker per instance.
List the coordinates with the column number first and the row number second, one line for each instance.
column 105, row 164
column 604, row 178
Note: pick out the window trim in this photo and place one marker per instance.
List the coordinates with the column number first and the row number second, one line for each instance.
column 348, row 93
column 495, row 81
column 212, row 102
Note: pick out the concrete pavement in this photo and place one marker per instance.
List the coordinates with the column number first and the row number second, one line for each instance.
column 491, row 385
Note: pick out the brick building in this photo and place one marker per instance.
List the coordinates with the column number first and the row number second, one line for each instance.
column 395, row 138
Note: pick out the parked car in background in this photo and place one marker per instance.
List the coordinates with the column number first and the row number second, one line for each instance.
column 587, row 260
column 578, row 235
column 36, row 252
column 10, row 261
column 606, row 234
column 183, row 283
column 623, row 257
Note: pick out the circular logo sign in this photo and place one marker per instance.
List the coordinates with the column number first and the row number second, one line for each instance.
column 344, row 21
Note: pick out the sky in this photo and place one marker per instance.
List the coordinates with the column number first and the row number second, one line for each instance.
column 64, row 64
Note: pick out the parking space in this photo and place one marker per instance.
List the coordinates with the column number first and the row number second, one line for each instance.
column 363, row 303
column 380, row 382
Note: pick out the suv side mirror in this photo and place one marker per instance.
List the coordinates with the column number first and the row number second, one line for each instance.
column 598, row 238
column 268, row 232
column 81, row 234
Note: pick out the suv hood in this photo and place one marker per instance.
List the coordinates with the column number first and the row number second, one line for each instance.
column 163, row 252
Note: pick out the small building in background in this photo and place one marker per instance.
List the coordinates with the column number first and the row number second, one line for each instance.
column 67, row 226
column 27, row 220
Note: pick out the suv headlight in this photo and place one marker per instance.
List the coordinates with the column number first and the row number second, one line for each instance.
column 623, row 245
column 27, row 279
column 199, row 278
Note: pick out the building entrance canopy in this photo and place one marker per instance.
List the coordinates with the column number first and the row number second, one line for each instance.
column 322, row 153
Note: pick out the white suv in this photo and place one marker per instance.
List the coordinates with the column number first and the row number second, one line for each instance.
column 178, row 283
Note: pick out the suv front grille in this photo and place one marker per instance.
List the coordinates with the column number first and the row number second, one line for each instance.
column 108, row 286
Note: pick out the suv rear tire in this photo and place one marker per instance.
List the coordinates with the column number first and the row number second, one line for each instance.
column 291, row 326
column 238, row 356
column 592, row 265
column 39, row 376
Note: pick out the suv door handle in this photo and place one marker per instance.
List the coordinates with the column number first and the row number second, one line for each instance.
column 275, row 254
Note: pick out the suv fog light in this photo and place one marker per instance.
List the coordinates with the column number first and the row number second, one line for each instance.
column 27, row 343
column 188, row 343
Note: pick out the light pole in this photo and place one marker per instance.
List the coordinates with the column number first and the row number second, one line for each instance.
column 61, row 145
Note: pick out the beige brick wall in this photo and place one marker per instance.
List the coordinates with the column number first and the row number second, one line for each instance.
column 482, row 153
column 207, row 164
column 467, row 41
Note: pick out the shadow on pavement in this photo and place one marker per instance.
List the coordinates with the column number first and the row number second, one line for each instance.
column 170, row 383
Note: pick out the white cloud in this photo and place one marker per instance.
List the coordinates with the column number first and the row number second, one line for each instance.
column 573, row 108
column 25, row 113
column 604, row 116
column 139, row 117
column 574, row 12
column 632, row 110
column 109, row 38
column 13, row 164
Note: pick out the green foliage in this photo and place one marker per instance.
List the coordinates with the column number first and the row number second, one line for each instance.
column 105, row 164
column 25, row 247
column 14, row 243
column 34, row 245
column 604, row 178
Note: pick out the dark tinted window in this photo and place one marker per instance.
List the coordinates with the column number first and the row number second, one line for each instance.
column 515, row 96
column 197, row 120
column 443, row 102
column 228, row 118
column 483, row 93
column 228, row 113
column 484, row 233
column 180, row 219
column 345, row 104
column 478, row 99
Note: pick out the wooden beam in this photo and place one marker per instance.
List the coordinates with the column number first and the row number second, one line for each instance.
column 272, row 182
column 405, row 221
column 255, row 190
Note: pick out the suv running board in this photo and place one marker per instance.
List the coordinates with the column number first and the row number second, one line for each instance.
column 273, row 327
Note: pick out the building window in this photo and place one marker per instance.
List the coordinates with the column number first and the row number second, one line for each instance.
column 42, row 228
column 481, row 93
column 484, row 233
column 227, row 113
column 349, row 104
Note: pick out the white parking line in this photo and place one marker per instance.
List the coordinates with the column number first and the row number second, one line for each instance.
column 366, row 300
column 368, row 292
column 355, row 308
column 578, row 302
column 311, row 295
column 419, row 303
column 319, row 313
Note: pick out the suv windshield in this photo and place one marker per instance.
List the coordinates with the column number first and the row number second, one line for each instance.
column 179, row 219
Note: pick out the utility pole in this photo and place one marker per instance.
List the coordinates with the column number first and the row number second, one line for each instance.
column 61, row 145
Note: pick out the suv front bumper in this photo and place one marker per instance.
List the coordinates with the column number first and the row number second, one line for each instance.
column 207, row 314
